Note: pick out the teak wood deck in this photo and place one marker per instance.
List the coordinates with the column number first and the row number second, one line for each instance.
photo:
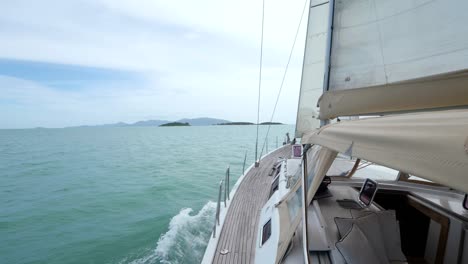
column 239, row 232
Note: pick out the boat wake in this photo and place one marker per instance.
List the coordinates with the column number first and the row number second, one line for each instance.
column 186, row 239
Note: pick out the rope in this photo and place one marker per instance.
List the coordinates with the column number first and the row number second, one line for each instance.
column 284, row 75
column 260, row 81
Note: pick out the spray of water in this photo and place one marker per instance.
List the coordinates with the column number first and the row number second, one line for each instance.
column 186, row 239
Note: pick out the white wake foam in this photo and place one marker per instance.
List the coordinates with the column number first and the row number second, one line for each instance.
column 186, row 239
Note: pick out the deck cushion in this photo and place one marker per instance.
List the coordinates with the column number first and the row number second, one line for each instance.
column 370, row 227
column 357, row 249
column 388, row 227
column 391, row 234
column 343, row 225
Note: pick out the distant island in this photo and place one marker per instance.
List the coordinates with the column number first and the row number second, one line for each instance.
column 171, row 124
column 271, row 123
column 247, row 123
column 201, row 121
column 235, row 124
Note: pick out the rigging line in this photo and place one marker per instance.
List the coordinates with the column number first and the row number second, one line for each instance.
column 260, row 80
column 284, row 75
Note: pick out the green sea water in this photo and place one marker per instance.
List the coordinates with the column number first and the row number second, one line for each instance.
column 116, row 195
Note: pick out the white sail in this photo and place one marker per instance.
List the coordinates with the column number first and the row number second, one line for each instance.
column 313, row 70
column 394, row 56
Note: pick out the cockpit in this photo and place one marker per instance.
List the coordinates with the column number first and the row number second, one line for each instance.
column 360, row 212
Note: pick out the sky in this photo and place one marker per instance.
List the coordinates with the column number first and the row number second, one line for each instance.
column 88, row 62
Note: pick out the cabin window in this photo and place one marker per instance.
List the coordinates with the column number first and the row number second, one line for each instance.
column 291, row 181
column 341, row 166
column 415, row 178
column 294, row 204
column 278, row 169
column 266, row 231
column 370, row 170
column 344, row 165
column 274, row 185
column 465, row 202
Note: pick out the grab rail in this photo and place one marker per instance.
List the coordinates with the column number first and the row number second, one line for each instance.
column 243, row 166
column 227, row 197
column 226, row 186
column 218, row 208
column 224, row 182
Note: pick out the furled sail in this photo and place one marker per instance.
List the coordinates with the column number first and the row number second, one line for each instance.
column 430, row 145
column 313, row 70
column 396, row 56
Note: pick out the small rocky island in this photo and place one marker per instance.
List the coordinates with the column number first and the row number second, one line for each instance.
column 247, row 123
column 235, row 124
column 271, row 123
column 171, row 124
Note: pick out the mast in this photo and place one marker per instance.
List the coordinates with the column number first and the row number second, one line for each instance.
column 317, row 58
column 326, row 79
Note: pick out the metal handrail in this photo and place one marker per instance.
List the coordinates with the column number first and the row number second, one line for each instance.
column 227, row 182
column 224, row 182
column 218, row 208
column 243, row 166
column 225, row 191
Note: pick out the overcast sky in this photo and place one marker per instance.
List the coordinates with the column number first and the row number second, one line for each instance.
column 77, row 62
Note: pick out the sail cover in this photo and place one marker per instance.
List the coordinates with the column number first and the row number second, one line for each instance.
column 313, row 68
column 430, row 145
column 396, row 56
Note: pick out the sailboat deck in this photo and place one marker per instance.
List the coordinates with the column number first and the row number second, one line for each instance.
column 239, row 231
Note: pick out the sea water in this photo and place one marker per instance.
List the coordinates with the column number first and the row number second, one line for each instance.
column 117, row 194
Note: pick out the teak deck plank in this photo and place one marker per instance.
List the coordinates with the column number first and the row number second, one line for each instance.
column 239, row 232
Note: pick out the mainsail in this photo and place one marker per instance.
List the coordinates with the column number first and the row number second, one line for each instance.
column 313, row 70
column 390, row 57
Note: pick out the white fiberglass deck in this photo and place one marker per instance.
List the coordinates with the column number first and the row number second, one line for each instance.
column 239, row 231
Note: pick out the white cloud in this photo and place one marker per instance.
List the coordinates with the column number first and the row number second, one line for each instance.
column 200, row 57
